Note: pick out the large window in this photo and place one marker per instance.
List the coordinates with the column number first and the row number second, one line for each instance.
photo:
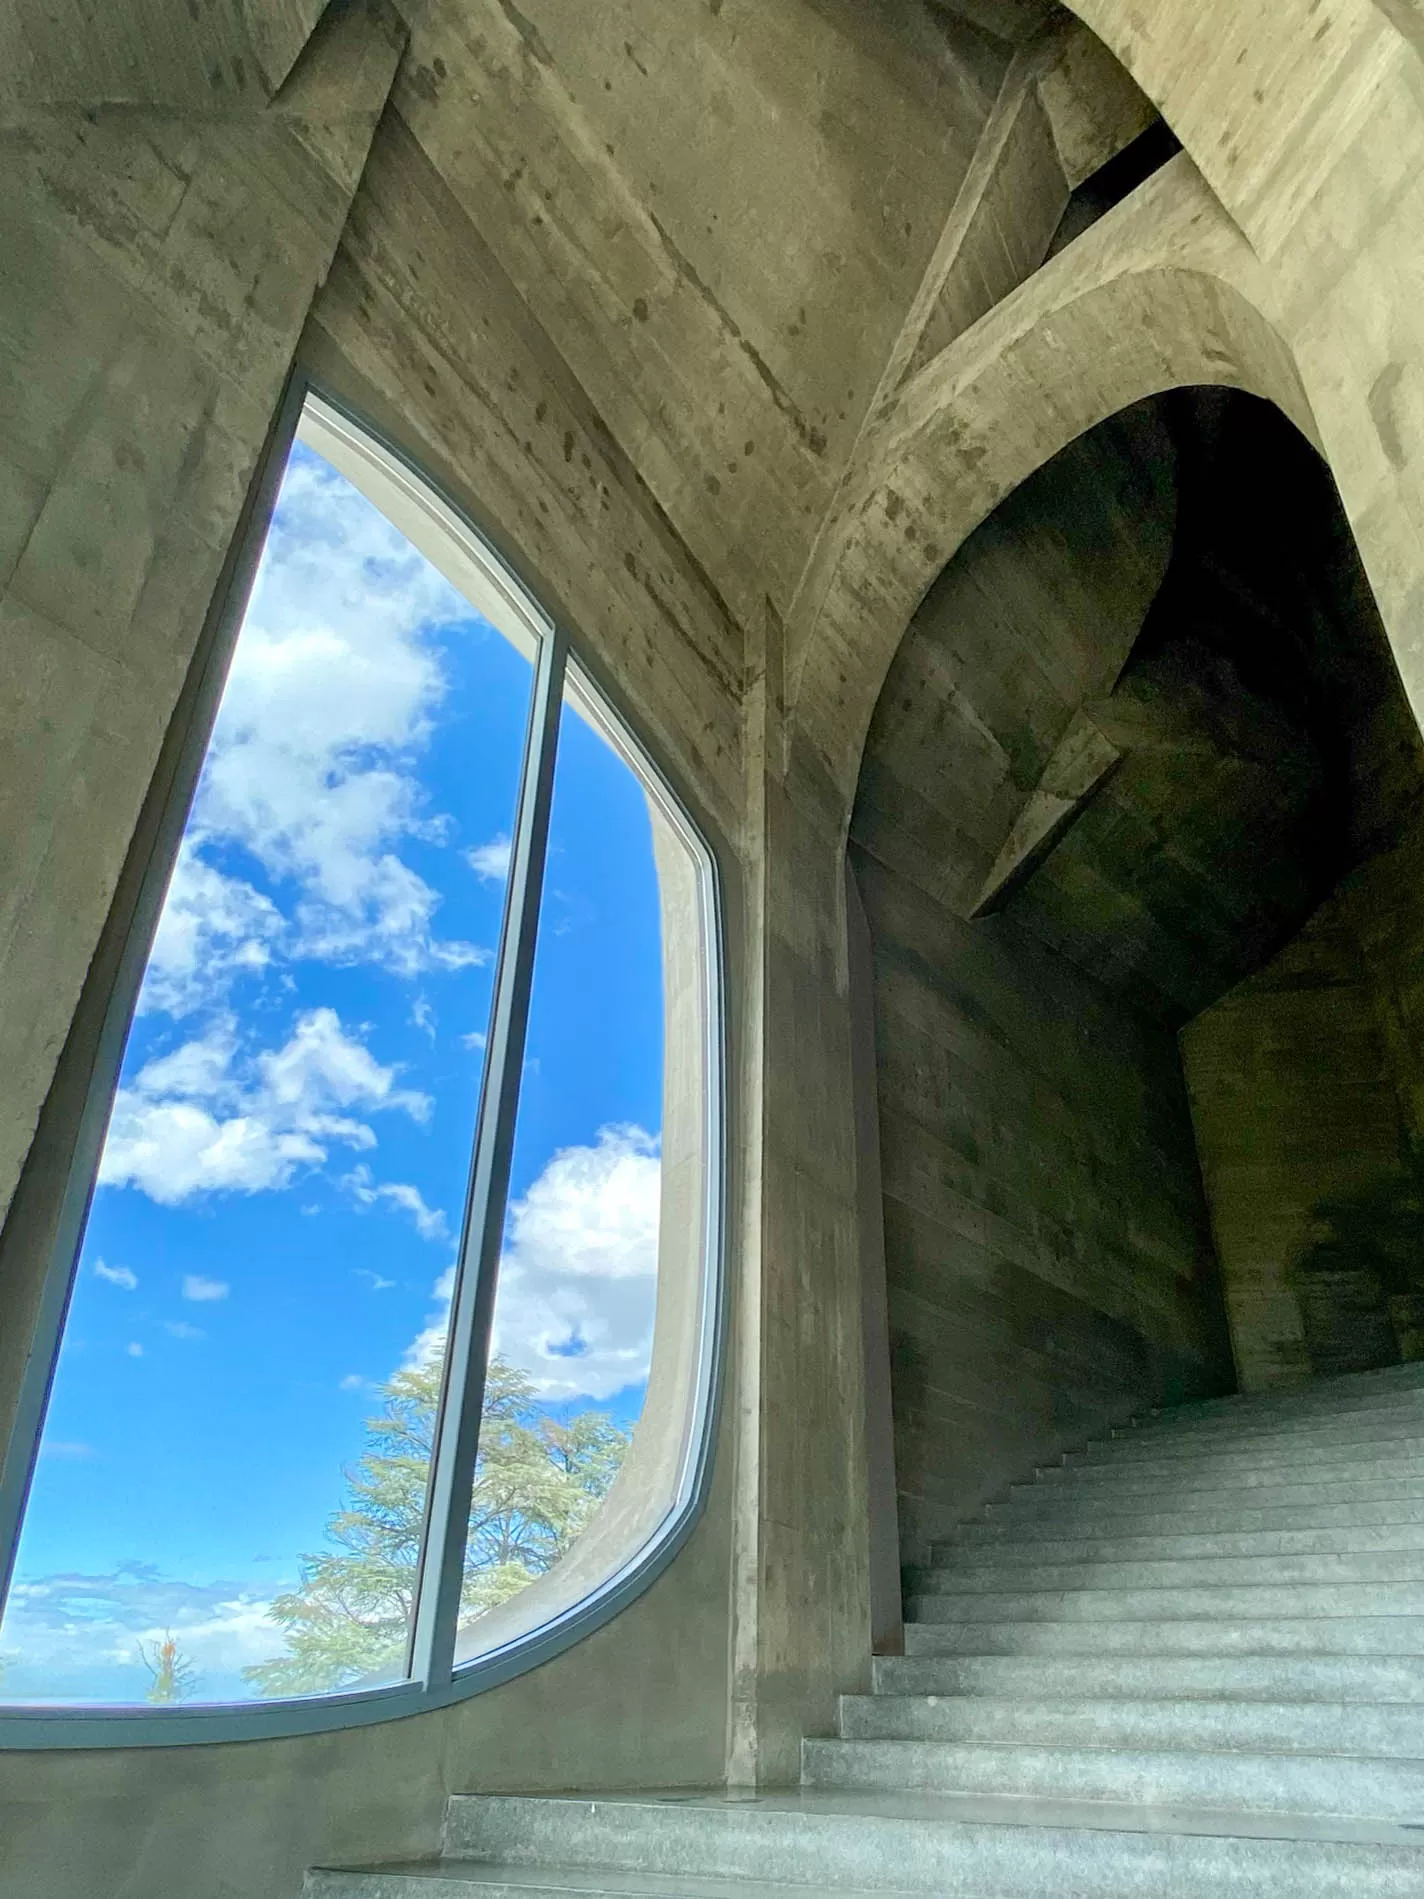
column 388, row 1346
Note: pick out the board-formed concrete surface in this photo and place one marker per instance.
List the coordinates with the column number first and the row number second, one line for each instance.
column 732, row 324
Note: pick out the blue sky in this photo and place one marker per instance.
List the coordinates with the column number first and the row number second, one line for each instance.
column 282, row 1182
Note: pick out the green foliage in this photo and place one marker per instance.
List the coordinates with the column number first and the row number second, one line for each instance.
column 171, row 1671
column 537, row 1483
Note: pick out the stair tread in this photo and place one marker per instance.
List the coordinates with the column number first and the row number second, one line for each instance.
column 1247, row 1757
column 1180, row 1546
column 1274, row 1704
column 496, row 1875
column 1313, row 1679
column 1251, row 1781
column 1265, row 1568
column 1204, row 1636
column 1373, row 1730
column 991, row 1811
column 1188, row 1658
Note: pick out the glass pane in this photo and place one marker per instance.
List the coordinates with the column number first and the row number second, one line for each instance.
column 579, row 1284
column 231, row 1481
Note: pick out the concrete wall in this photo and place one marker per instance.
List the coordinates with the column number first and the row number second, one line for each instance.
column 1304, row 1077
column 1049, row 1262
column 1306, row 1085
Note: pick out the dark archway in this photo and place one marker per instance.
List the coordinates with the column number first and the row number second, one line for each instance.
column 1141, row 742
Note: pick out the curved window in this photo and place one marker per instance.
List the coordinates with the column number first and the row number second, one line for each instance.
column 387, row 1358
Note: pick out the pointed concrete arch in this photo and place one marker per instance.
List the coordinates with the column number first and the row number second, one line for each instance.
column 1162, row 293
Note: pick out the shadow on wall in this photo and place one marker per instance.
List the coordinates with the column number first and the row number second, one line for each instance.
column 1360, row 1283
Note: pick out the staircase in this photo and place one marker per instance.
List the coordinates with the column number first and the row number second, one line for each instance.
column 1186, row 1664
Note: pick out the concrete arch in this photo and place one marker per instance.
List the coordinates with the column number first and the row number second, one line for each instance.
column 1264, row 100
column 1160, row 294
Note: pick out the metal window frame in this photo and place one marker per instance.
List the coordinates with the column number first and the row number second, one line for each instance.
column 434, row 1679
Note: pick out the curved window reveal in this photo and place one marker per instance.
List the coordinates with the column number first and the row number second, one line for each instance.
column 388, row 1351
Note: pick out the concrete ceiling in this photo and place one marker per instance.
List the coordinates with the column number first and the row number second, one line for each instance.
column 720, row 213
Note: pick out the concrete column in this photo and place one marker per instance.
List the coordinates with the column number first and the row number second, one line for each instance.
column 802, row 1580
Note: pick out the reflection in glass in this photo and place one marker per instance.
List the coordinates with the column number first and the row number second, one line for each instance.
column 230, row 1487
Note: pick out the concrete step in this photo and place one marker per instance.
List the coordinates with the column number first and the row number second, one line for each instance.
column 1314, row 1396
column 1068, row 1490
column 472, row 1879
column 1388, row 1731
column 1042, row 1511
column 1251, row 1602
column 1400, row 1424
column 981, row 1545
column 1216, row 1636
column 954, row 1848
column 1294, row 1678
column 1308, row 1784
column 1246, row 1414
column 1289, row 1453
column 1216, row 1474
column 985, row 1576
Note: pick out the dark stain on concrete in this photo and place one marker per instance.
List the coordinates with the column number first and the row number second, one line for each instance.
column 809, row 437
column 533, row 39
column 1384, row 412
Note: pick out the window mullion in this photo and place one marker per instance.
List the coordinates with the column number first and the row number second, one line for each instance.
column 442, row 1558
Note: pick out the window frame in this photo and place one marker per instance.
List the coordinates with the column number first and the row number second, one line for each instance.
column 434, row 1679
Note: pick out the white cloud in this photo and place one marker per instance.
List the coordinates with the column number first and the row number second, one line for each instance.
column 195, row 1070
column 368, row 1192
column 67, row 1627
column 201, row 1290
column 212, row 929
column 378, row 1284
column 172, row 1150
column 321, row 1063
column 353, row 1381
column 422, row 1016
column 578, row 1274
column 326, row 708
column 134, row 1349
column 475, row 1039
column 205, row 1118
column 122, row 1276
column 180, row 1329
column 490, row 862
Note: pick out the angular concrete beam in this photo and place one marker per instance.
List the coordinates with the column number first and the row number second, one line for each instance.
column 1084, row 760
column 999, row 229
column 1095, row 107
column 1065, row 108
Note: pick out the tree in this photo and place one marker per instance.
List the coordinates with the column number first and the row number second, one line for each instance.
column 171, row 1671
column 537, row 1483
